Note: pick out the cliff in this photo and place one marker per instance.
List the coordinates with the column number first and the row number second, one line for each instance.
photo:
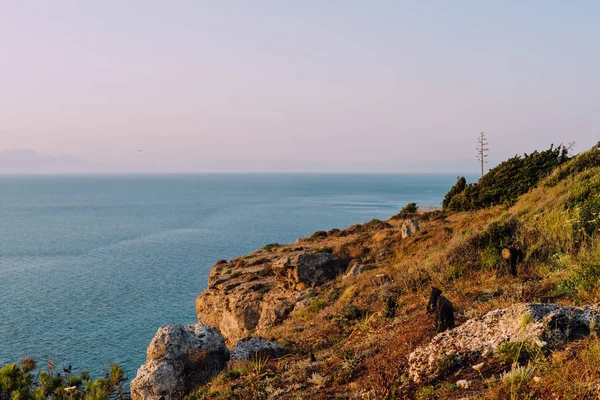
column 347, row 307
column 248, row 296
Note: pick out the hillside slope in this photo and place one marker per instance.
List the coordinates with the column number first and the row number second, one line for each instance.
column 350, row 336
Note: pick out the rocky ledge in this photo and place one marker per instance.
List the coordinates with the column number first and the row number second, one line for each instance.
column 543, row 325
column 248, row 295
column 251, row 294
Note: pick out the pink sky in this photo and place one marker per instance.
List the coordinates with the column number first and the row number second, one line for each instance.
column 343, row 86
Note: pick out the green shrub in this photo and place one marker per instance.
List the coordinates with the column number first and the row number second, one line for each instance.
column 408, row 209
column 18, row 383
column 506, row 182
column 318, row 235
column 348, row 314
column 269, row 247
column 584, row 161
column 582, row 281
column 587, row 222
column 316, row 305
column 516, row 352
column 425, row 393
column 458, row 188
column 447, row 364
column 352, row 312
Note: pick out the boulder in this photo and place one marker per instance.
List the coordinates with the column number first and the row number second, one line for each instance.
column 409, row 228
column 478, row 338
column 252, row 348
column 356, row 268
column 178, row 359
column 242, row 312
column 262, row 291
column 307, row 268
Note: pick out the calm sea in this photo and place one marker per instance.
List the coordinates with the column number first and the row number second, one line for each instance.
column 91, row 266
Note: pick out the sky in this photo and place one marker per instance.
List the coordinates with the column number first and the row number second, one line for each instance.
column 297, row 86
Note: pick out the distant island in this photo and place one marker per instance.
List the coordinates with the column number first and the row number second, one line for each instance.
column 25, row 161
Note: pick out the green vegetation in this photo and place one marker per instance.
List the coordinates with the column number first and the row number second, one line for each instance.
column 316, row 305
column 269, row 247
column 358, row 332
column 516, row 352
column 408, row 209
column 17, row 382
column 505, row 183
column 318, row 235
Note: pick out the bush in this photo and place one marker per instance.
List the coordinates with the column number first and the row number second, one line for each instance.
column 516, row 352
column 269, row 247
column 584, row 161
column 408, row 209
column 506, row 182
column 316, row 305
column 459, row 187
column 18, row 383
column 352, row 312
column 318, row 235
column 447, row 364
column 582, row 282
column 587, row 222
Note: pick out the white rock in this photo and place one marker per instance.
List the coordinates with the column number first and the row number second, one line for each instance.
column 478, row 338
column 409, row 228
column 179, row 358
column 463, row 384
column 249, row 349
column 356, row 268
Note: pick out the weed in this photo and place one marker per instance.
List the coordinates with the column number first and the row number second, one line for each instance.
column 425, row 393
column 516, row 352
column 447, row 364
column 269, row 247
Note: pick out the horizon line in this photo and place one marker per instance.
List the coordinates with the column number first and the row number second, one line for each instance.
column 229, row 173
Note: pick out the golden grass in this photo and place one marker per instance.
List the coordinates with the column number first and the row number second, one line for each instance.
column 366, row 358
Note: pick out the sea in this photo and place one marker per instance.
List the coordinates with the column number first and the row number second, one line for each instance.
column 92, row 265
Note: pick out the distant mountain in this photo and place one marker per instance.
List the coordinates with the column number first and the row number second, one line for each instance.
column 25, row 161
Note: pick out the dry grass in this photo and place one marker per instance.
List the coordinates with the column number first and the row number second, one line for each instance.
column 366, row 357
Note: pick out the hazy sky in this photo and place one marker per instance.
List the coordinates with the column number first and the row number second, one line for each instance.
column 318, row 85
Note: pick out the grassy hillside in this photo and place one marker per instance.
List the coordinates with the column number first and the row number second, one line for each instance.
column 347, row 344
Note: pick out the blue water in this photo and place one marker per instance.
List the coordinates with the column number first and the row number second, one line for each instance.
column 91, row 266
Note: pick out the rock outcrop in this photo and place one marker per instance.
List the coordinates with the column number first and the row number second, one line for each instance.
column 409, row 228
column 356, row 268
column 179, row 358
column 248, row 295
column 477, row 339
column 251, row 348
column 307, row 269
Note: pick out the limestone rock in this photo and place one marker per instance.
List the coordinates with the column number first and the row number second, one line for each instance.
column 179, row 358
column 478, row 338
column 249, row 295
column 250, row 348
column 463, row 384
column 409, row 228
column 308, row 268
column 356, row 268
column 243, row 312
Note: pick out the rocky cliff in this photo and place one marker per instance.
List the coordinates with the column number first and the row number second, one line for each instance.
column 249, row 295
column 345, row 310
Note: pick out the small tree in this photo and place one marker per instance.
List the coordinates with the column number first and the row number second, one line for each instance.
column 482, row 150
column 408, row 209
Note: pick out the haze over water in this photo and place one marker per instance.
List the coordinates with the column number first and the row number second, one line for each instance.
column 91, row 266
